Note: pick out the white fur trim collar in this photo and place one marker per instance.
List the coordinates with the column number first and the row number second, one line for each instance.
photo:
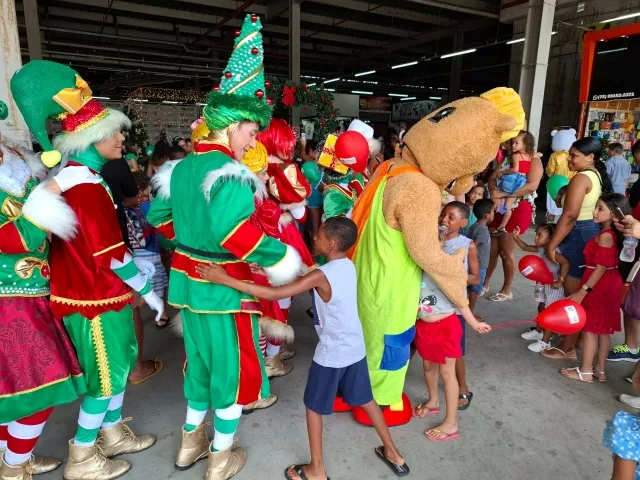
column 234, row 170
column 161, row 181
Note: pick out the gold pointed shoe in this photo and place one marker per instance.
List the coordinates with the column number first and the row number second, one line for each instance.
column 42, row 465
column 225, row 464
column 194, row 447
column 286, row 353
column 259, row 404
column 120, row 439
column 89, row 463
column 16, row 472
column 275, row 367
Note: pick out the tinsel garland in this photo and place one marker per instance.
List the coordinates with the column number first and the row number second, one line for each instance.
column 326, row 121
column 182, row 96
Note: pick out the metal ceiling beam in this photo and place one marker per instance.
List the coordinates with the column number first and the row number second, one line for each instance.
column 483, row 9
column 222, row 22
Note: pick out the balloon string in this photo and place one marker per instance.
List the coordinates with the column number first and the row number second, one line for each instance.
column 511, row 324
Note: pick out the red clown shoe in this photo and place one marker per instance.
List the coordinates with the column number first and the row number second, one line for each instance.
column 391, row 418
column 340, row 406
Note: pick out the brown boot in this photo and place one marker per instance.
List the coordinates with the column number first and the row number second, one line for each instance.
column 194, row 447
column 286, row 353
column 89, row 463
column 275, row 367
column 120, row 439
column 225, row 464
column 40, row 464
column 259, row 404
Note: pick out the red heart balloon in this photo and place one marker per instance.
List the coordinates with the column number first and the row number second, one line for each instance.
column 352, row 149
column 564, row 317
column 534, row 268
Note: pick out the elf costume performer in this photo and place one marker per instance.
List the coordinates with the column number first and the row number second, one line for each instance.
column 290, row 189
column 206, row 203
column 399, row 209
column 93, row 274
column 39, row 366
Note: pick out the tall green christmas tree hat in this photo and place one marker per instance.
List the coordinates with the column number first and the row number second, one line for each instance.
column 241, row 94
column 44, row 89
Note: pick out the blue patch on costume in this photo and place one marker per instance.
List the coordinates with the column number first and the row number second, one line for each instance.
column 397, row 350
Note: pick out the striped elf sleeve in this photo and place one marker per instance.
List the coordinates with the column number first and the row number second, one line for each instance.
column 129, row 274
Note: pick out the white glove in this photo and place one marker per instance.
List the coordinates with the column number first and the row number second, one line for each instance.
column 72, row 176
column 155, row 303
column 145, row 266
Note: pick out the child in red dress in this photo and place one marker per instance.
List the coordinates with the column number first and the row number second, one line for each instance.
column 600, row 292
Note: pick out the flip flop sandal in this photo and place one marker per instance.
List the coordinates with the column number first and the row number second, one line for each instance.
column 484, row 290
column 166, row 324
column 500, row 297
column 399, row 470
column 446, row 438
column 565, row 355
column 565, row 373
column 468, row 397
column 298, row 470
column 600, row 376
column 430, row 411
column 157, row 368
column 629, row 379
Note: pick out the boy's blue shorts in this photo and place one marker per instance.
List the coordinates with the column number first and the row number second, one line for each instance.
column 478, row 288
column 323, row 384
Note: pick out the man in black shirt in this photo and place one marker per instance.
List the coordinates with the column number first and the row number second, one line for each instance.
column 125, row 194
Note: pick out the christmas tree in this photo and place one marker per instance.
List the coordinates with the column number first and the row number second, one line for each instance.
column 241, row 94
column 137, row 136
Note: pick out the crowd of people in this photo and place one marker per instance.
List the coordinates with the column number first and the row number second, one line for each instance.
column 108, row 232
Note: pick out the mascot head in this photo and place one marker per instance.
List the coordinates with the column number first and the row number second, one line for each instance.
column 561, row 140
column 479, row 125
column 279, row 140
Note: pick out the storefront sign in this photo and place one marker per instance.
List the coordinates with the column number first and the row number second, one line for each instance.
column 375, row 103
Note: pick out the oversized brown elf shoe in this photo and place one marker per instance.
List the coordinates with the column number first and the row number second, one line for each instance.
column 286, row 353
column 120, row 439
column 194, row 447
column 259, row 404
column 225, row 464
column 275, row 367
column 40, row 465
column 89, row 463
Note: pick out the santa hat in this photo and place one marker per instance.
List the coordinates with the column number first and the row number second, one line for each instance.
column 367, row 132
column 44, row 89
column 241, row 94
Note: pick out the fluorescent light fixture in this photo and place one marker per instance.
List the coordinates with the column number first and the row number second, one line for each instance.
column 554, row 32
column 140, row 100
column 435, row 98
column 611, row 51
column 623, row 17
column 404, row 65
column 517, row 40
column 407, row 98
column 170, row 102
column 202, row 104
column 361, row 92
column 397, row 95
column 332, row 80
column 462, row 52
column 330, row 89
column 102, row 98
column 362, row 74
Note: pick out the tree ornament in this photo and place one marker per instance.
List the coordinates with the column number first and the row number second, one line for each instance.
column 237, row 33
column 267, row 84
column 306, row 107
column 254, row 18
column 216, row 88
column 304, row 87
column 269, row 101
column 228, row 74
column 259, row 94
column 255, row 51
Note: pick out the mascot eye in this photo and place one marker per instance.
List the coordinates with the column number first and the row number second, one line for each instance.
column 442, row 114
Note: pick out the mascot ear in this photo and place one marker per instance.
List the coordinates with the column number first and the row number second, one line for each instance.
column 507, row 128
column 554, row 133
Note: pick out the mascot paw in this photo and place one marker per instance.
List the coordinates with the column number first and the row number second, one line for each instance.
column 340, row 406
column 393, row 418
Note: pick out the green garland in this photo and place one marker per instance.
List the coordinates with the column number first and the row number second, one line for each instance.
column 326, row 121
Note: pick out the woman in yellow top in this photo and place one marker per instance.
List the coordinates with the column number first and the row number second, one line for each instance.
column 576, row 226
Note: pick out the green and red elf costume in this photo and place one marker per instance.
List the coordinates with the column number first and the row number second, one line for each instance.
column 205, row 202
column 93, row 273
column 37, row 360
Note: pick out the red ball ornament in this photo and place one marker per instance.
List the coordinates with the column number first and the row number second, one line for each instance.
column 564, row 317
column 255, row 50
column 352, row 149
column 306, row 107
column 237, row 33
column 259, row 94
column 228, row 74
column 269, row 101
column 216, row 88
column 267, row 84
column 534, row 268
column 254, row 18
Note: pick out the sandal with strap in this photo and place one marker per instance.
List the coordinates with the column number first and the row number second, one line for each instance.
column 298, row 469
column 500, row 297
column 565, row 373
column 399, row 470
column 600, row 376
column 565, row 355
column 465, row 396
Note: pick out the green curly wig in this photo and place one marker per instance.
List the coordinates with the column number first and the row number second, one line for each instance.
column 222, row 110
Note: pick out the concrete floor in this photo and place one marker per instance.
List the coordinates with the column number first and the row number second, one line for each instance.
column 526, row 420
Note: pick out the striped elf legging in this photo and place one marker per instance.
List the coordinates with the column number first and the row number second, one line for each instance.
column 19, row 438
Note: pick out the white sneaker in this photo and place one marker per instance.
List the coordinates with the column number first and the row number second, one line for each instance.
column 630, row 400
column 532, row 335
column 538, row 346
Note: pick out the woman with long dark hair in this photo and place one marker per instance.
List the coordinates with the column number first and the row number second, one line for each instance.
column 576, row 226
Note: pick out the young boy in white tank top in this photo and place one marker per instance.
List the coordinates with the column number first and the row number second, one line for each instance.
column 340, row 360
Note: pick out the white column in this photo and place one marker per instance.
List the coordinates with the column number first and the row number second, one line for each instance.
column 535, row 60
column 294, row 53
column 13, row 130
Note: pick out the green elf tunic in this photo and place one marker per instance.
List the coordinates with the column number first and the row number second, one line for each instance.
column 204, row 201
column 38, row 363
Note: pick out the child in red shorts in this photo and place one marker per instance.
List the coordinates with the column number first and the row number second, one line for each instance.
column 438, row 341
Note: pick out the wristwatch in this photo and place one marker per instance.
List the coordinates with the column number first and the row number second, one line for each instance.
column 587, row 288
